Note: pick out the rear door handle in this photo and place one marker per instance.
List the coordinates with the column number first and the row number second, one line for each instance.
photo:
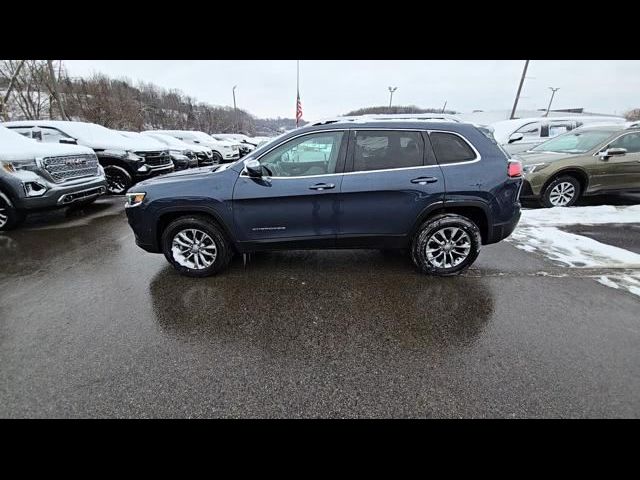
column 424, row 180
column 322, row 186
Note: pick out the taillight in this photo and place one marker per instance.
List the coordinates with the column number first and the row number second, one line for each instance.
column 514, row 169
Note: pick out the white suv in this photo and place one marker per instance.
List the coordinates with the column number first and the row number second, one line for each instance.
column 223, row 151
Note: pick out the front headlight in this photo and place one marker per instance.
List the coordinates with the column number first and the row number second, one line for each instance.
column 134, row 157
column 135, row 199
column 8, row 167
column 533, row 167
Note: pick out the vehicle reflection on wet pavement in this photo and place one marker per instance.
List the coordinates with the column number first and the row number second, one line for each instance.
column 90, row 325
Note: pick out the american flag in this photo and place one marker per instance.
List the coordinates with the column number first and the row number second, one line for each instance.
column 298, row 110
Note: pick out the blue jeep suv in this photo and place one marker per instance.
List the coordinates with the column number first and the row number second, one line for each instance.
column 438, row 188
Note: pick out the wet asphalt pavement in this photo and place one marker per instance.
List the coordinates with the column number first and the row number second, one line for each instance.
column 92, row 326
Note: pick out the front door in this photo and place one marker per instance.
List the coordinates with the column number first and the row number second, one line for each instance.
column 296, row 199
column 620, row 172
column 391, row 177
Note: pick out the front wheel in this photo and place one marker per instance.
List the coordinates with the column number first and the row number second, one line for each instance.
column 217, row 158
column 446, row 245
column 564, row 191
column 9, row 216
column 118, row 179
column 196, row 246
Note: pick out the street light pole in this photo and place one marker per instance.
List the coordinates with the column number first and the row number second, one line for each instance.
column 391, row 90
column 515, row 103
column 553, row 92
column 235, row 109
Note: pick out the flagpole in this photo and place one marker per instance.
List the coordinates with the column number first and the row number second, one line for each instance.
column 297, row 88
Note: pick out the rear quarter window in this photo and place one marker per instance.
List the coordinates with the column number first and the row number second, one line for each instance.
column 451, row 148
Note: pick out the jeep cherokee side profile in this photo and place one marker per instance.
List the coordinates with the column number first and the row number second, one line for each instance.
column 440, row 189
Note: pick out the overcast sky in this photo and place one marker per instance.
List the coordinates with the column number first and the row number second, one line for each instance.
column 333, row 87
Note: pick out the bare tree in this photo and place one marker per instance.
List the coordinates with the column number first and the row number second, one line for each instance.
column 52, row 84
column 11, row 84
column 633, row 115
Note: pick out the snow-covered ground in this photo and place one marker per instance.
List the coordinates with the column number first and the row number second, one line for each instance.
column 538, row 232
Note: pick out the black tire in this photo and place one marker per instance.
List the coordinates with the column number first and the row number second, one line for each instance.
column 118, row 179
column 217, row 158
column 224, row 251
column 9, row 216
column 561, row 183
column 437, row 226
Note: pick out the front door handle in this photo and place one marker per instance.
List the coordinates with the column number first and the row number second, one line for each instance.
column 424, row 180
column 322, row 186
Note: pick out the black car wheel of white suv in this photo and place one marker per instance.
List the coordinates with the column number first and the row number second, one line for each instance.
column 217, row 158
column 446, row 244
column 196, row 246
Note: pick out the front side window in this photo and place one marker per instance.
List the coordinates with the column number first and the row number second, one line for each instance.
column 376, row 150
column 573, row 142
column 630, row 142
column 315, row 154
column 49, row 135
column 530, row 130
column 450, row 148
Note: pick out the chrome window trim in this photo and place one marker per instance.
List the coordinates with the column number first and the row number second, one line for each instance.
column 601, row 149
column 466, row 162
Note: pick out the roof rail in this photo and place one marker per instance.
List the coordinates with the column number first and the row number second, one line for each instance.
column 429, row 117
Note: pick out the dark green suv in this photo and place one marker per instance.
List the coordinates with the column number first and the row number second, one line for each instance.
column 586, row 161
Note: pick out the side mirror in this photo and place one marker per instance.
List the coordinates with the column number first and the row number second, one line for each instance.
column 612, row 152
column 253, row 167
column 68, row 141
column 515, row 137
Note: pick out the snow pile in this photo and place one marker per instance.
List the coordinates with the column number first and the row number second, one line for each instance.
column 580, row 216
column 573, row 250
column 538, row 232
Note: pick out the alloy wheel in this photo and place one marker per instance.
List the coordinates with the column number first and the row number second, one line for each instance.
column 193, row 248
column 562, row 194
column 4, row 217
column 448, row 247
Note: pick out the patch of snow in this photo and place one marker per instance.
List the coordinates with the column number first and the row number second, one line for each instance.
column 573, row 250
column 628, row 282
column 559, row 216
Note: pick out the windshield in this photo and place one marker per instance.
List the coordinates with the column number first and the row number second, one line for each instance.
column 573, row 142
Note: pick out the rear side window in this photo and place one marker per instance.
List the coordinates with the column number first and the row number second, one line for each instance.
column 450, row 148
column 380, row 150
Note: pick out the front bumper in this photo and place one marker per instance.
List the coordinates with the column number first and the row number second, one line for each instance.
column 154, row 171
column 62, row 195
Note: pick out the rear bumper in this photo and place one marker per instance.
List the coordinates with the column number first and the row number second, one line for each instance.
column 500, row 231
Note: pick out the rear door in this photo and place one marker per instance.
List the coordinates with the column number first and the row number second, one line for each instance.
column 390, row 178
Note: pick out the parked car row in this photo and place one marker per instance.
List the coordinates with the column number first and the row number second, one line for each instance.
column 50, row 163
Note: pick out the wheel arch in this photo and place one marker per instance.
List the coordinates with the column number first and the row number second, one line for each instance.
column 476, row 211
column 167, row 216
column 578, row 173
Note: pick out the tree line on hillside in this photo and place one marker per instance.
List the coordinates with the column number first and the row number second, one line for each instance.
column 42, row 89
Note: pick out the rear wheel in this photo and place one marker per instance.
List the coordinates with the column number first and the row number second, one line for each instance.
column 563, row 191
column 196, row 246
column 446, row 245
column 118, row 179
column 9, row 216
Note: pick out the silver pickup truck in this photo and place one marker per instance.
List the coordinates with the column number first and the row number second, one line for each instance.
column 37, row 176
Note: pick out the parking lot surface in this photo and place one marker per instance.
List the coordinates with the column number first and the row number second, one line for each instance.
column 92, row 326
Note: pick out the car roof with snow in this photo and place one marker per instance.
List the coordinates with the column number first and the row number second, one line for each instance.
column 14, row 147
column 89, row 134
column 504, row 128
